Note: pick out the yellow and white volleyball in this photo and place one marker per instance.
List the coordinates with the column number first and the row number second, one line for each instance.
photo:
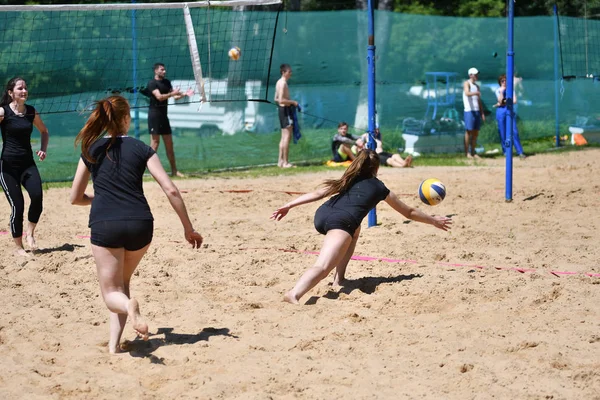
column 235, row 53
column 432, row 191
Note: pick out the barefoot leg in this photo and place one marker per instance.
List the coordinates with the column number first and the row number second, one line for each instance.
column 30, row 236
column 132, row 259
column 19, row 249
column 139, row 325
column 334, row 248
column 117, row 325
column 340, row 269
column 284, row 146
column 110, row 268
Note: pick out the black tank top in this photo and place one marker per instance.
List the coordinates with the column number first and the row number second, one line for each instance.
column 16, row 135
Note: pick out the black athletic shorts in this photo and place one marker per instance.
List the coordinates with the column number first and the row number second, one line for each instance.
column 383, row 157
column 132, row 234
column 328, row 218
column 158, row 124
column 285, row 116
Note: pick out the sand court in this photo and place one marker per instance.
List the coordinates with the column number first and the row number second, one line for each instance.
column 503, row 306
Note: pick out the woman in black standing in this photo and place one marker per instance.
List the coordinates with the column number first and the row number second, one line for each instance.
column 17, row 166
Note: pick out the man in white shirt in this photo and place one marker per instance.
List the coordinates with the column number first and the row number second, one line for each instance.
column 474, row 115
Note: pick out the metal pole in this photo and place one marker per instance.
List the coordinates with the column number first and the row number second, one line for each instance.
column 136, row 112
column 371, row 144
column 556, row 77
column 510, row 116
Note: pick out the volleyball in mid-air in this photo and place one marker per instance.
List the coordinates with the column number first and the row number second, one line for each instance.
column 432, row 191
column 235, row 53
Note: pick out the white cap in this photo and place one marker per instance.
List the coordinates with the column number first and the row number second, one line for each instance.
column 473, row 71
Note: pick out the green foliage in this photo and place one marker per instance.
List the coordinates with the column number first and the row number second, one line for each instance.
column 466, row 8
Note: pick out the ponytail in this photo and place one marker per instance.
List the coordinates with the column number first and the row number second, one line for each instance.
column 366, row 164
column 109, row 116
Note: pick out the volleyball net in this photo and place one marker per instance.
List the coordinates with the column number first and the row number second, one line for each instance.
column 579, row 38
column 71, row 55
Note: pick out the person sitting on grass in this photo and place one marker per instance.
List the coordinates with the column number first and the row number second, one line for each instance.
column 386, row 158
column 342, row 143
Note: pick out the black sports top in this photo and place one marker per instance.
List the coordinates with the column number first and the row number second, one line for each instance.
column 117, row 177
column 16, row 135
column 164, row 86
column 363, row 196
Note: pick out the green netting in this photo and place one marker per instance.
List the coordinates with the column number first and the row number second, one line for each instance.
column 71, row 57
column 579, row 40
column 327, row 51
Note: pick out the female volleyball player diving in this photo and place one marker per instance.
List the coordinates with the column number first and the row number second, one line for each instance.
column 339, row 218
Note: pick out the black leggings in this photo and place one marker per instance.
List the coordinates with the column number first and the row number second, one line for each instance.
column 11, row 179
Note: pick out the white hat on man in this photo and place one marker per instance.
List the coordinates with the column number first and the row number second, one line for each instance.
column 473, row 71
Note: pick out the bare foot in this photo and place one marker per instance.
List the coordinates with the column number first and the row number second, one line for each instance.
column 112, row 349
column 22, row 252
column 408, row 161
column 178, row 174
column 476, row 156
column 339, row 282
column 31, row 241
column 288, row 165
column 139, row 325
column 469, row 156
column 290, row 298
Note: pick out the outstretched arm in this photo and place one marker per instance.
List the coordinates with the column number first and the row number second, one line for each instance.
column 78, row 196
column 166, row 184
column 304, row 199
column 162, row 97
column 442, row 223
column 180, row 94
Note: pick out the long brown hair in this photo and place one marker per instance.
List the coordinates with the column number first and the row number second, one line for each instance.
column 109, row 116
column 365, row 164
column 10, row 86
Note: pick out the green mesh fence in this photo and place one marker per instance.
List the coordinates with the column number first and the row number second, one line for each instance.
column 579, row 40
column 327, row 51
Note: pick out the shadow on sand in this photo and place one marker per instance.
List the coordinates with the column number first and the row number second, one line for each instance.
column 144, row 349
column 367, row 285
column 65, row 247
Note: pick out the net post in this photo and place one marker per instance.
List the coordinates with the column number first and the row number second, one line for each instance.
column 372, row 219
column 556, row 77
column 136, row 112
column 510, row 116
column 194, row 54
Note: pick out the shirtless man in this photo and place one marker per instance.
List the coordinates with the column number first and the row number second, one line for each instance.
column 282, row 98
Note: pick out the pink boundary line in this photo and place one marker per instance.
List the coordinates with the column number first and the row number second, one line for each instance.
column 290, row 192
column 393, row 260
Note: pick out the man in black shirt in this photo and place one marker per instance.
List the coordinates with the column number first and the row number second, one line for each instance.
column 160, row 90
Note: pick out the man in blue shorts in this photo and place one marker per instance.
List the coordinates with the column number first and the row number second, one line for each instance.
column 474, row 115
